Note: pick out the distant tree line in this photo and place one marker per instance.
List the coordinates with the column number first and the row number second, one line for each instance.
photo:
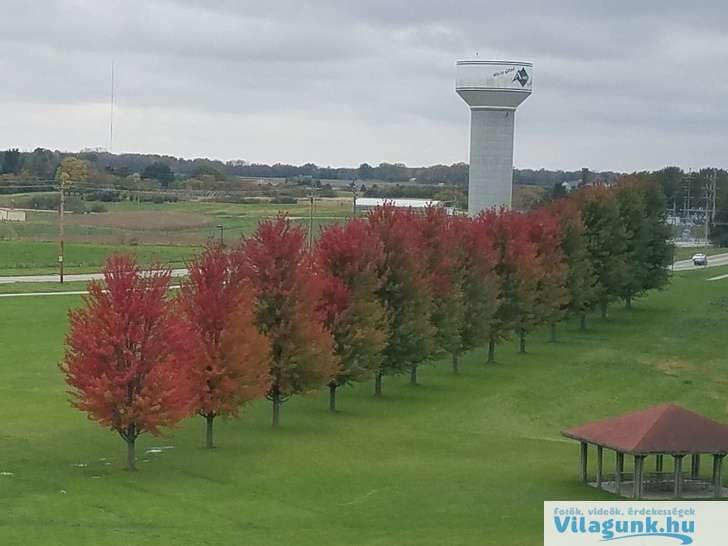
column 41, row 164
column 36, row 170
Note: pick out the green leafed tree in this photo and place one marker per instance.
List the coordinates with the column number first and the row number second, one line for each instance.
column 404, row 293
column 160, row 172
column 12, row 162
column 552, row 293
column 581, row 278
column 659, row 249
column 633, row 216
column 606, row 239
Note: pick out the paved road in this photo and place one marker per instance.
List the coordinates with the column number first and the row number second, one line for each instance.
column 713, row 261
column 683, row 265
column 83, row 277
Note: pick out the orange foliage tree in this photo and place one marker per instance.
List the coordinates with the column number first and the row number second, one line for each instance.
column 127, row 356
column 230, row 359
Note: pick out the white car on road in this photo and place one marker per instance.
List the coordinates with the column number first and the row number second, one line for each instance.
column 700, row 259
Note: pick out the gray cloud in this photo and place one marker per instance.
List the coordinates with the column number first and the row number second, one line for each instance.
column 620, row 85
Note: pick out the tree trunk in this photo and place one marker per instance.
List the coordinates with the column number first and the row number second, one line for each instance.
column 491, row 351
column 209, row 418
column 413, row 375
column 552, row 336
column 582, row 323
column 628, row 302
column 603, row 308
column 522, row 341
column 332, row 396
column 131, row 449
column 378, row 384
column 456, row 363
column 276, row 406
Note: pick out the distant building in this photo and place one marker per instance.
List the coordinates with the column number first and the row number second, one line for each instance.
column 570, row 185
column 11, row 215
column 364, row 204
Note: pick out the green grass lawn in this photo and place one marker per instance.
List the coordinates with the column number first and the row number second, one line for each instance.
column 457, row 460
column 37, row 257
column 36, row 287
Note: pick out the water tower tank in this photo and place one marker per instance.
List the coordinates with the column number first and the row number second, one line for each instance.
column 493, row 90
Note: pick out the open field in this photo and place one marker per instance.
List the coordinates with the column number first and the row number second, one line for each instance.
column 456, row 460
column 169, row 232
column 183, row 223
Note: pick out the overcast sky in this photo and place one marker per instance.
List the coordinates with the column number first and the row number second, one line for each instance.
column 619, row 85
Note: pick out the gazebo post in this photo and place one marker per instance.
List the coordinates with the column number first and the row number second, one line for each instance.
column 583, row 460
column 718, row 475
column 600, row 462
column 678, row 475
column 639, row 463
column 695, row 465
column 658, row 463
column 618, row 469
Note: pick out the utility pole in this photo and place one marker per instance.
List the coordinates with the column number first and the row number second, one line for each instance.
column 715, row 191
column 354, row 191
column 62, row 188
column 310, row 220
column 711, row 190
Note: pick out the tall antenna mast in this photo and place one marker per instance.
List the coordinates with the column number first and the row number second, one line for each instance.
column 111, row 113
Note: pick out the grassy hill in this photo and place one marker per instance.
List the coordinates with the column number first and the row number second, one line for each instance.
column 455, row 461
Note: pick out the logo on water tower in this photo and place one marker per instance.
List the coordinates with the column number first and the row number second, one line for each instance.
column 521, row 77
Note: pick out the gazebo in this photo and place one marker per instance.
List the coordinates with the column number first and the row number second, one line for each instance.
column 665, row 430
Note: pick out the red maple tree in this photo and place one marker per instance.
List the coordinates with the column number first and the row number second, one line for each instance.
column 350, row 256
column 230, row 359
column 288, row 289
column 127, row 352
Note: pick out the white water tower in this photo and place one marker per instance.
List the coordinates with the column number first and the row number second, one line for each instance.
column 493, row 90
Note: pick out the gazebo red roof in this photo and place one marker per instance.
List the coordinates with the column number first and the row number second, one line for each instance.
column 662, row 429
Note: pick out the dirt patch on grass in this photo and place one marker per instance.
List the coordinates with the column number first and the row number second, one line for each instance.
column 142, row 220
column 671, row 367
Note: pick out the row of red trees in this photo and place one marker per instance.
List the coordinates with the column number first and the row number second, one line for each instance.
column 374, row 297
